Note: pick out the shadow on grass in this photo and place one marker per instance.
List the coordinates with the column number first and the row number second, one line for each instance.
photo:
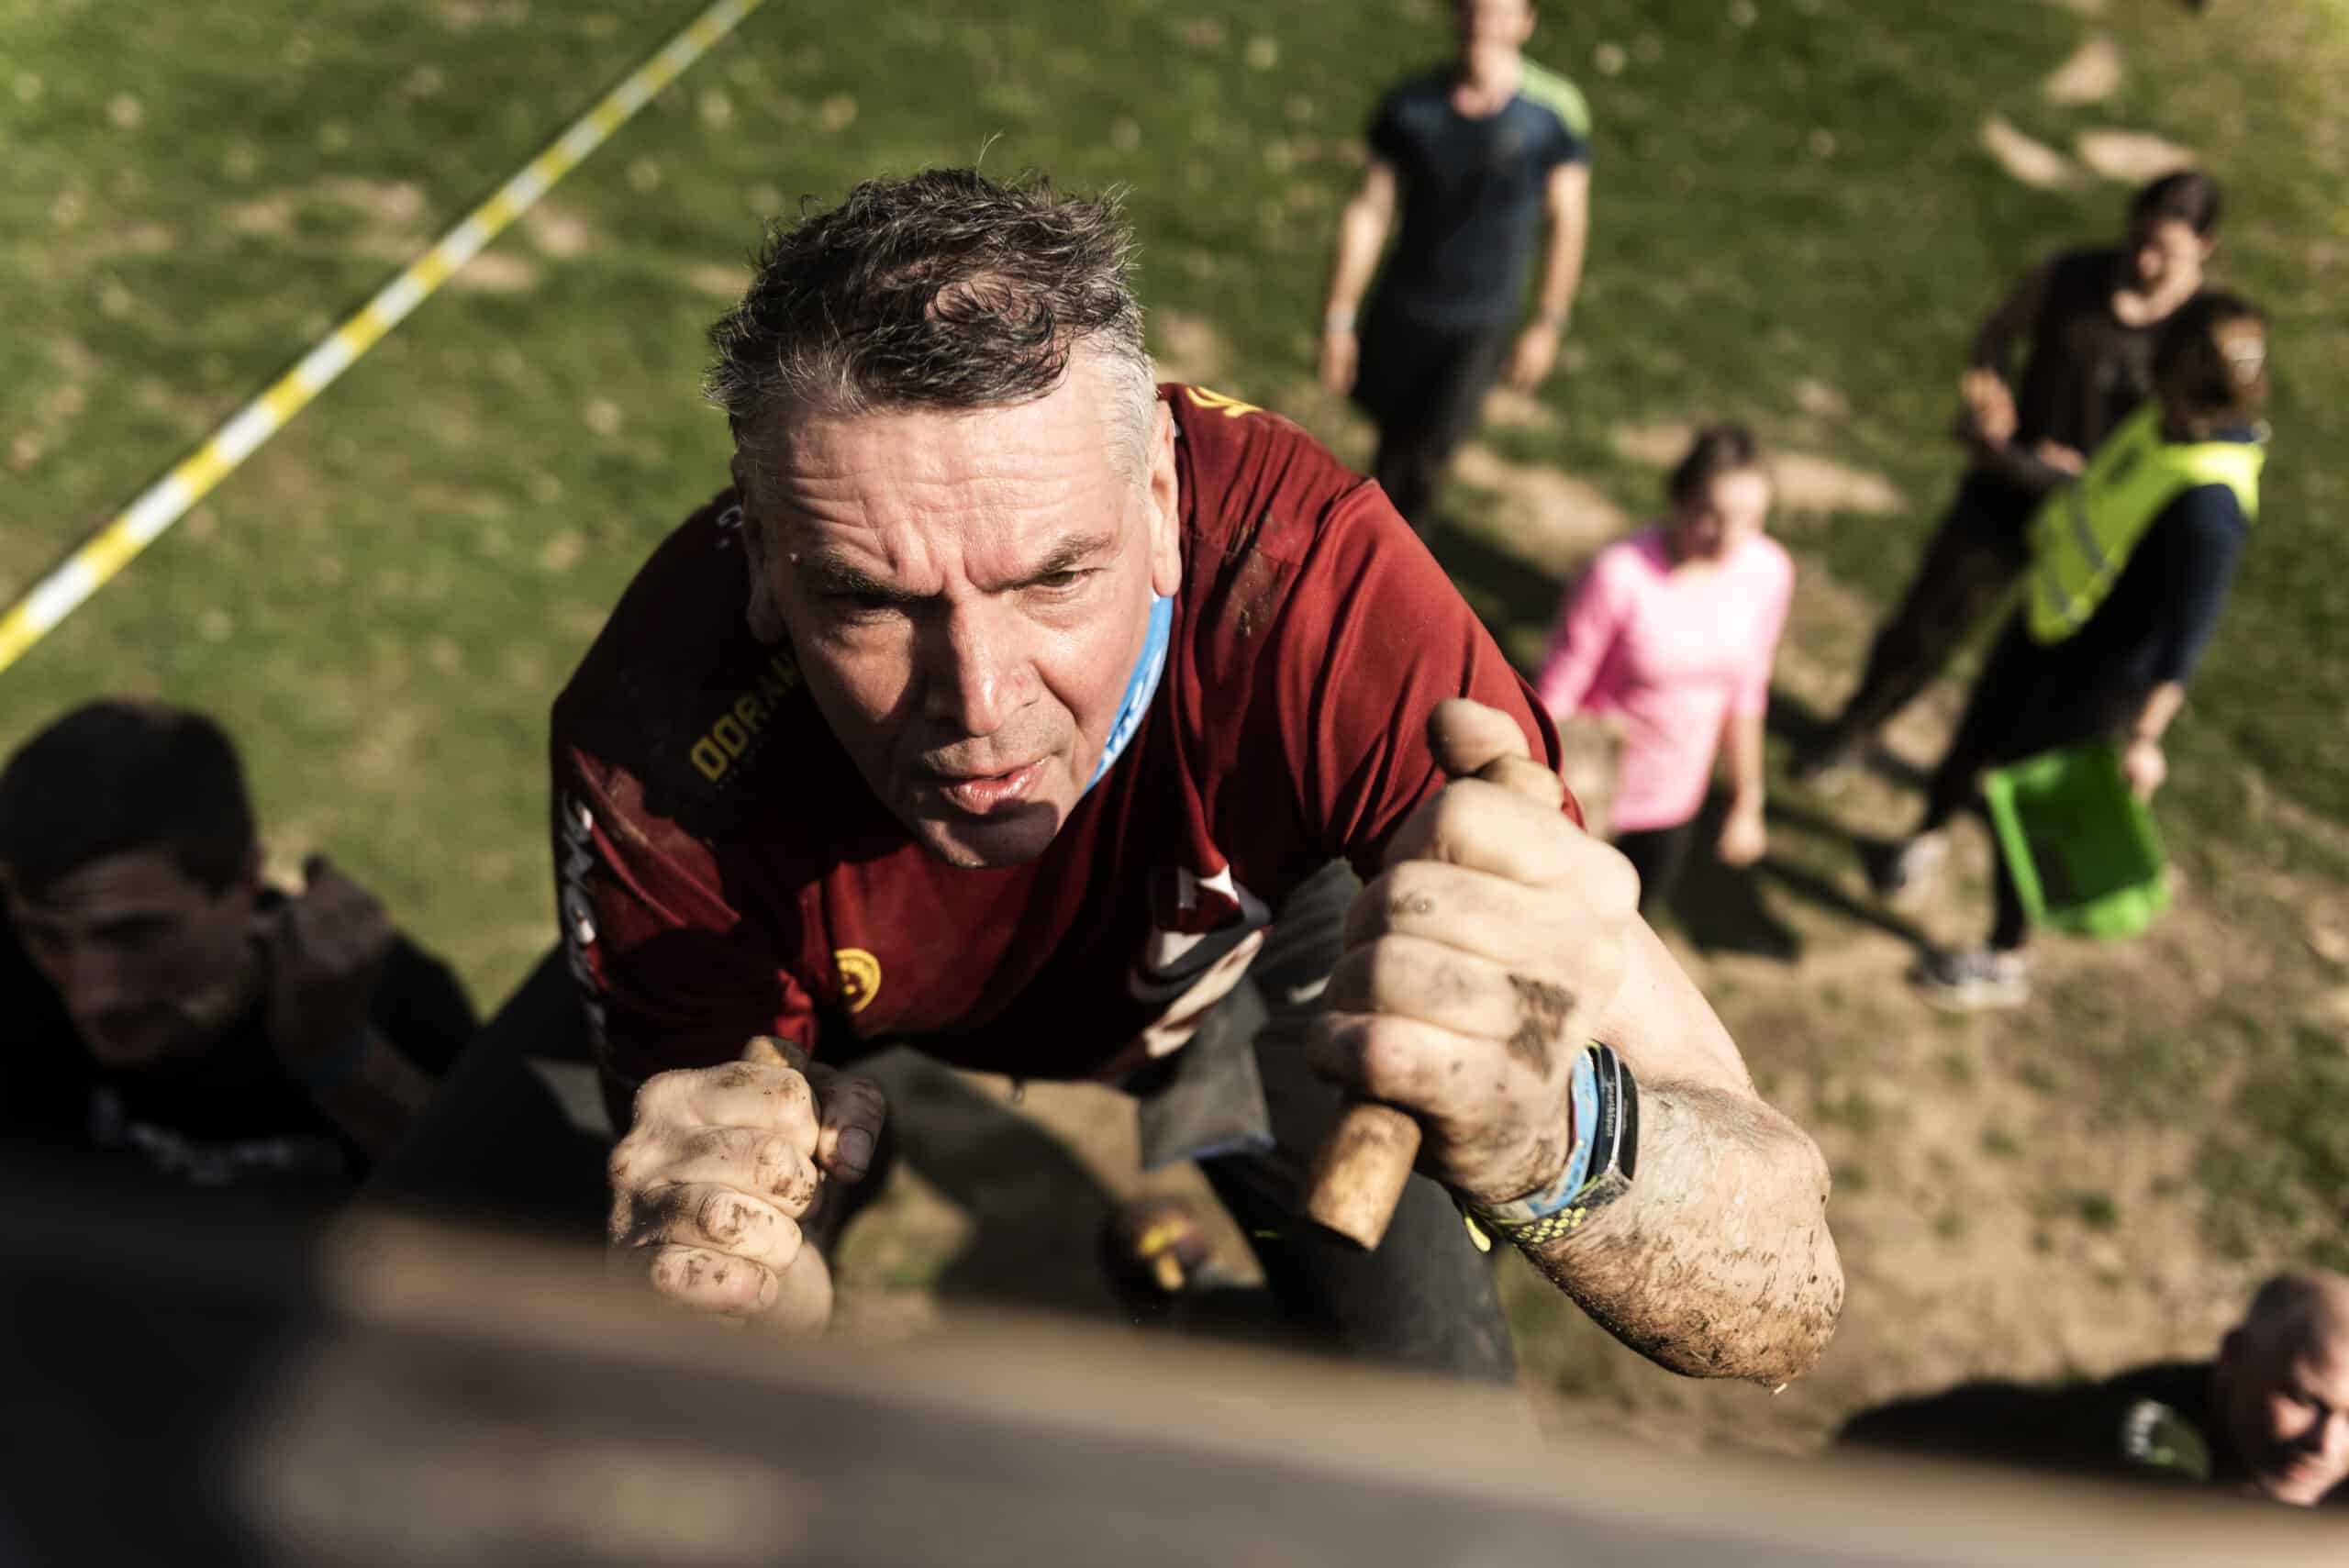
column 1036, row 1212
column 1507, row 591
column 1720, row 909
column 1802, row 726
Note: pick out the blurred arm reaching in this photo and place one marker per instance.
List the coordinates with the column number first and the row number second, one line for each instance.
column 1567, row 202
column 1362, row 235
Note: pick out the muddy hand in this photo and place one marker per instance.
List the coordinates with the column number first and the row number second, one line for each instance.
column 1495, row 926
column 721, row 1168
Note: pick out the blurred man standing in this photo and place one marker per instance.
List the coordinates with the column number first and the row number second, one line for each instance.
column 1482, row 154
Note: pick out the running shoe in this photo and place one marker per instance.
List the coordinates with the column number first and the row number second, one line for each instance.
column 1968, row 980
column 1900, row 872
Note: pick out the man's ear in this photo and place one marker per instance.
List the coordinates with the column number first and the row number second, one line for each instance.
column 1165, row 488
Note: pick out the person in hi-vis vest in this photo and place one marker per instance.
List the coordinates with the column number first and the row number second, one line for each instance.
column 2128, row 569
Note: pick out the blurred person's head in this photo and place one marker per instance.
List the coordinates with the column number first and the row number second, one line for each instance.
column 1497, row 27
column 1719, row 493
column 958, row 488
column 2281, row 1386
column 2210, row 365
column 131, row 868
column 2173, row 229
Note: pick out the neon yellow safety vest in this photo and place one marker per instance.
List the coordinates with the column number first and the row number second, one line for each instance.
column 2082, row 535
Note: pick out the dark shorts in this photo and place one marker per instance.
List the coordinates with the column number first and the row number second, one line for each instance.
column 1993, row 514
column 1428, row 378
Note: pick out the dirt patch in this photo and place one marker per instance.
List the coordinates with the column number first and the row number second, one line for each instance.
column 1817, row 398
column 1186, row 346
column 1547, row 519
column 558, row 231
column 392, row 204
column 496, row 272
column 1808, row 483
column 1657, row 446
column 1513, row 410
column 2034, row 163
column 1805, row 481
column 717, row 279
column 146, row 238
column 2090, row 76
column 266, row 216
column 2132, row 156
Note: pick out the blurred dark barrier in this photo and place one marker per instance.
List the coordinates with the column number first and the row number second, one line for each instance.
column 496, row 1141
column 189, row 1390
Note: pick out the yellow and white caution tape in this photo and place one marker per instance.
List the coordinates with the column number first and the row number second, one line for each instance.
column 138, row 525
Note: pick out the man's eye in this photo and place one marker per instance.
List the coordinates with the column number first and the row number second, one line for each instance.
column 1062, row 582
column 849, row 602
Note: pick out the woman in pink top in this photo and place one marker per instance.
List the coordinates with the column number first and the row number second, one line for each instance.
column 1673, row 631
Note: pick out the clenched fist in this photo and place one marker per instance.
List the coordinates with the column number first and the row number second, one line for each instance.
column 323, row 952
column 720, row 1168
column 1476, row 961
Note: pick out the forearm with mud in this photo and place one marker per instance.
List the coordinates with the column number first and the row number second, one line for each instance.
column 1718, row 1261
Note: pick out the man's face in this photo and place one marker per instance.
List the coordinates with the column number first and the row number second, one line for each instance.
column 967, row 592
column 2286, row 1406
column 2169, row 254
column 147, row 963
column 1493, row 24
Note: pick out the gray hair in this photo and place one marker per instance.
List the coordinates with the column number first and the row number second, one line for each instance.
column 941, row 290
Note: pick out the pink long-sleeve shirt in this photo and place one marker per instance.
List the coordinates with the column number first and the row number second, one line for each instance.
column 1675, row 653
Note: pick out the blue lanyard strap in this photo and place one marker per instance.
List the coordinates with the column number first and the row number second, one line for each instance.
column 1141, row 686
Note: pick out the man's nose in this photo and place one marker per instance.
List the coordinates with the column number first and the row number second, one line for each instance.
column 978, row 667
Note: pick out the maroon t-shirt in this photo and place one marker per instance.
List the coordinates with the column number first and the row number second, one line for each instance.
column 723, row 870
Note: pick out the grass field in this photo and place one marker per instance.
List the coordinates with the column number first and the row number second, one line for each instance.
column 1798, row 220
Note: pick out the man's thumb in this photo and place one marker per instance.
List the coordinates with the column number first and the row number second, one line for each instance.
column 1473, row 741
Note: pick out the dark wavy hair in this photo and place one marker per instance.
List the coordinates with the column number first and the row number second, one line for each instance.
column 1714, row 450
column 944, row 289
column 2188, row 196
column 120, row 774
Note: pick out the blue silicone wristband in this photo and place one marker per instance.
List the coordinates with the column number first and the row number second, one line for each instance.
column 1550, row 1200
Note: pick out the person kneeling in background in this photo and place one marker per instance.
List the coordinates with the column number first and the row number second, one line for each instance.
column 169, row 1013
column 1675, row 629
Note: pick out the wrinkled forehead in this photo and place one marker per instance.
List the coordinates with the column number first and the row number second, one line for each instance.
column 1064, row 441
column 921, row 498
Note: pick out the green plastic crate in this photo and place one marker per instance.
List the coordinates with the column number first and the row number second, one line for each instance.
column 2083, row 849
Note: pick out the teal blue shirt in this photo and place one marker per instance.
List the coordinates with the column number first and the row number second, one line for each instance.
column 1472, row 194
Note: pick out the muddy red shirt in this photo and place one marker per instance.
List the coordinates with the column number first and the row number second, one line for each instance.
column 723, row 870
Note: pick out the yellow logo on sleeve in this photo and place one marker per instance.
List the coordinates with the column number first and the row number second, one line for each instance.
column 859, row 975
column 1230, row 408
